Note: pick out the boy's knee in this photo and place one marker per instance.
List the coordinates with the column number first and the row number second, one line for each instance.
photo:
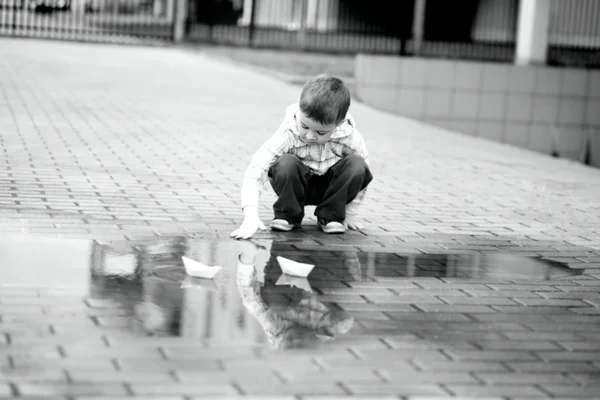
column 286, row 163
column 355, row 164
column 354, row 159
column 354, row 168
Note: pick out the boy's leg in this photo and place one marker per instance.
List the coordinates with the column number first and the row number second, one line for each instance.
column 345, row 180
column 288, row 178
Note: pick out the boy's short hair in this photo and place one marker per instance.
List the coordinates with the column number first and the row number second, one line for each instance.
column 325, row 99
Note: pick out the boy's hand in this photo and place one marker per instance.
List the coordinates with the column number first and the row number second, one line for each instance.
column 351, row 222
column 251, row 224
column 248, row 228
column 352, row 265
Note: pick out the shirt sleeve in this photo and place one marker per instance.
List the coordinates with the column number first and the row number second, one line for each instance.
column 257, row 172
column 357, row 145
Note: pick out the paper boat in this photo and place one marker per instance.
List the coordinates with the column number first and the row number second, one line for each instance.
column 294, row 268
column 197, row 283
column 199, row 270
column 301, row 283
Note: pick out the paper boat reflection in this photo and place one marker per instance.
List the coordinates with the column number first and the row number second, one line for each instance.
column 323, row 337
column 301, row 283
column 294, row 268
column 197, row 283
column 199, row 270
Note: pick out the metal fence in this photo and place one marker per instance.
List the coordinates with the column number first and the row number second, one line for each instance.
column 337, row 26
column 574, row 33
column 466, row 29
column 89, row 20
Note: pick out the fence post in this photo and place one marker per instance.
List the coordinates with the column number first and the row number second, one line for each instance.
column 532, row 32
column 301, row 38
column 418, row 27
column 179, row 20
column 251, row 23
column 15, row 10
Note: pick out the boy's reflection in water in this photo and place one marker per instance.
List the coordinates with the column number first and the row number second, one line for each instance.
column 290, row 316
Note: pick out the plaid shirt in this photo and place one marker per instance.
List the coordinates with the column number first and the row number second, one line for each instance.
column 346, row 139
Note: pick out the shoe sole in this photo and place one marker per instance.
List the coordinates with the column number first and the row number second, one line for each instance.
column 284, row 228
column 333, row 230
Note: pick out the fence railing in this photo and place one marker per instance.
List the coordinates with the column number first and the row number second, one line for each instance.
column 90, row 20
column 478, row 29
column 574, row 33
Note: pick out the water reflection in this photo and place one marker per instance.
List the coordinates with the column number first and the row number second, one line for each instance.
column 250, row 300
column 44, row 262
column 496, row 266
column 287, row 309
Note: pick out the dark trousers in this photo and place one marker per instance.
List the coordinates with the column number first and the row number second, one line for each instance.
column 297, row 187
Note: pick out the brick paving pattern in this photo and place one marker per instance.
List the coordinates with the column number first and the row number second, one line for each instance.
column 109, row 142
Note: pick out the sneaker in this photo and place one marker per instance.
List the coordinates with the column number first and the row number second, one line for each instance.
column 340, row 327
column 335, row 324
column 283, row 225
column 331, row 226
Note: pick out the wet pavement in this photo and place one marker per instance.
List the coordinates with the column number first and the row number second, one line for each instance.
column 359, row 323
column 476, row 275
column 147, row 282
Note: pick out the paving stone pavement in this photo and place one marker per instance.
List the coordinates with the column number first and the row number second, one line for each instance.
column 115, row 142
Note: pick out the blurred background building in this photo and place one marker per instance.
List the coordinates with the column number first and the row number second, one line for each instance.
column 523, row 72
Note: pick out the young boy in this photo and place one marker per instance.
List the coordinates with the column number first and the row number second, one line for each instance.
column 316, row 157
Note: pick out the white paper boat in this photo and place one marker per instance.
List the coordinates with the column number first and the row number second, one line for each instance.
column 199, row 270
column 301, row 283
column 198, row 283
column 294, row 268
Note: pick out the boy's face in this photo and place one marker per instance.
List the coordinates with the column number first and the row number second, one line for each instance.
column 312, row 131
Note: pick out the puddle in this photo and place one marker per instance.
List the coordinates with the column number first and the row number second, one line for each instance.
column 249, row 300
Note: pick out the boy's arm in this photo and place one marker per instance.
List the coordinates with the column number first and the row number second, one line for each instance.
column 353, row 208
column 357, row 145
column 255, row 177
column 257, row 172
